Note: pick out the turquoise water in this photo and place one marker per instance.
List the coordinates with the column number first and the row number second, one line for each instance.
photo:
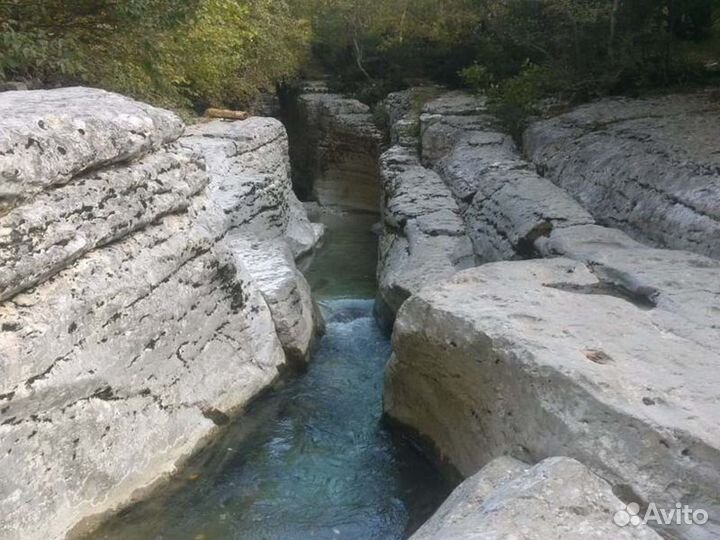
column 310, row 460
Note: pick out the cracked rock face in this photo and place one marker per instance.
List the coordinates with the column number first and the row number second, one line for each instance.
column 265, row 226
column 50, row 232
column 544, row 358
column 130, row 306
column 557, row 498
column 649, row 167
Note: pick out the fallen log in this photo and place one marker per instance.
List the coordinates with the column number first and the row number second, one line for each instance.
column 227, row 114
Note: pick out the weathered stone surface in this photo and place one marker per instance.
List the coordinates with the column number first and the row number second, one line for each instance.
column 249, row 169
column 649, row 167
column 686, row 286
column 403, row 111
column 48, row 137
column 297, row 318
column 146, row 321
column 266, row 226
column 57, row 227
column 138, row 341
column 543, row 358
column 440, row 134
column 513, row 208
column 558, row 498
column 302, row 235
column 423, row 238
column 456, row 103
column 335, row 150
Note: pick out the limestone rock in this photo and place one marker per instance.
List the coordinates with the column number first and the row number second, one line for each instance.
column 128, row 311
column 335, row 150
column 267, row 227
column 423, row 237
column 297, row 318
column 513, row 208
column 558, row 498
column 649, row 167
column 57, row 227
column 686, row 286
column 141, row 341
column 544, row 358
column 49, row 136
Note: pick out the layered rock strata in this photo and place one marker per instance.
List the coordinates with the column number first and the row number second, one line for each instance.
column 649, row 167
column 423, row 238
column 132, row 321
column 335, row 150
column 606, row 351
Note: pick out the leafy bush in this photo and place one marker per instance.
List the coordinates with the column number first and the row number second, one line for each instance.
column 176, row 53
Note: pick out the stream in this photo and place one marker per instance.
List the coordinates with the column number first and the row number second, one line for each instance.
column 310, row 459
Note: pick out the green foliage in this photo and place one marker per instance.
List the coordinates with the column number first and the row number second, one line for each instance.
column 172, row 52
column 476, row 77
column 184, row 53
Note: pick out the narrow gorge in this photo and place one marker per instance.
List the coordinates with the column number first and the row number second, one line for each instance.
column 454, row 336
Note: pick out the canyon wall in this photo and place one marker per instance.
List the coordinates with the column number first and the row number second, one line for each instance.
column 335, row 146
column 148, row 292
column 571, row 337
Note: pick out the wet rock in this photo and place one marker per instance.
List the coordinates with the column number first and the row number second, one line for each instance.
column 649, row 167
column 48, row 137
column 558, row 498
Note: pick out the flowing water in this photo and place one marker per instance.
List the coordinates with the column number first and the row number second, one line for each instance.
column 311, row 459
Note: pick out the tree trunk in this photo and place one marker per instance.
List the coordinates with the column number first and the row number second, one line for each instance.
column 613, row 29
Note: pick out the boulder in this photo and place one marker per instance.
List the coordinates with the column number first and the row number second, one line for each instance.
column 550, row 357
column 557, row 498
column 647, row 166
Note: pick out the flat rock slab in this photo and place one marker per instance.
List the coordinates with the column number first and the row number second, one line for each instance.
column 49, row 136
column 650, row 167
column 557, row 498
column 539, row 358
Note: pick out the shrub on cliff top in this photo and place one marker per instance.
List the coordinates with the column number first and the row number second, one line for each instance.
column 171, row 52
